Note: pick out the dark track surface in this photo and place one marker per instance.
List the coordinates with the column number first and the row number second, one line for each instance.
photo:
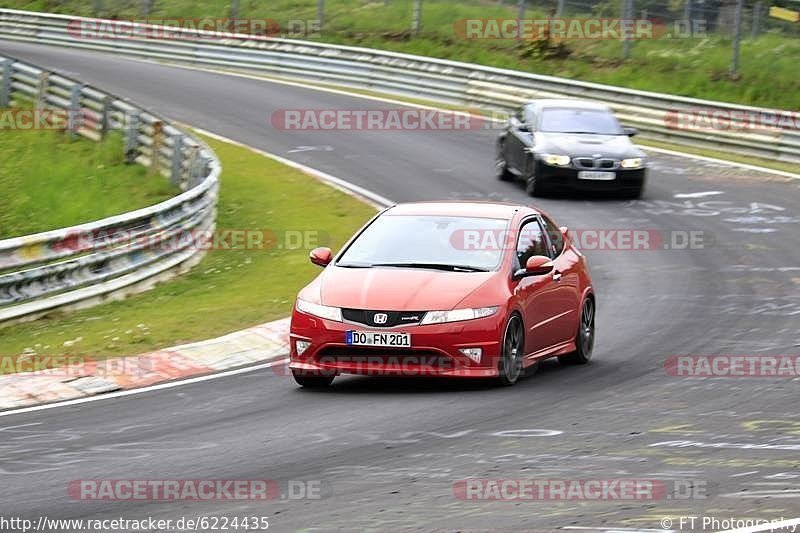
column 386, row 453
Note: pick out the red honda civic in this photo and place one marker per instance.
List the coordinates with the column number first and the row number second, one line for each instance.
column 480, row 290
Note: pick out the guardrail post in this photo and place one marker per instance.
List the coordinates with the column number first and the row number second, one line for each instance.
column 41, row 90
column 105, row 116
column 192, row 168
column 5, row 84
column 155, row 148
column 131, row 136
column 75, row 116
column 177, row 160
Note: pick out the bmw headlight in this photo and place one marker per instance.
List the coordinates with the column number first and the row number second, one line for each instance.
column 457, row 315
column 322, row 311
column 633, row 162
column 556, row 160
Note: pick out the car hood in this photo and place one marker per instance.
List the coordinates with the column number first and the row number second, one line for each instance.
column 397, row 289
column 572, row 144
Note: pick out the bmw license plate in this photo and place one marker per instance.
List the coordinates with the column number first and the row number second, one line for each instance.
column 596, row 175
column 378, row 338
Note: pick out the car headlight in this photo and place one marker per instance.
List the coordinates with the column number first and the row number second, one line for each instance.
column 322, row 311
column 633, row 162
column 556, row 160
column 457, row 315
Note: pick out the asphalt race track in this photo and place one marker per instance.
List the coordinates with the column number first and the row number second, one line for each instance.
column 387, row 453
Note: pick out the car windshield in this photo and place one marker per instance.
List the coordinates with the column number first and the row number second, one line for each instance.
column 458, row 244
column 565, row 120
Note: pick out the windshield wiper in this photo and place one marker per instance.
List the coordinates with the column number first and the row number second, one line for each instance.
column 354, row 265
column 435, row 266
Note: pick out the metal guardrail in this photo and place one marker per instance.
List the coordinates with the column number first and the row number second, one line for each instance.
column 83, row 264
column 453, row 82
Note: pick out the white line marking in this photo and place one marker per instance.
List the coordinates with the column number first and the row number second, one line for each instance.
column 141, row 390
column 724, row 162
column 745, row 473
column 375, row 199
column 698, row 194
column 298, row 149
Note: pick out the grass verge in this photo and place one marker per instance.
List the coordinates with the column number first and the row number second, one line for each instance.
column 230, row 289
column 50, row 181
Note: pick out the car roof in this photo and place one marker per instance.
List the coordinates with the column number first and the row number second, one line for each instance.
column 572, row 103
column 501, row 210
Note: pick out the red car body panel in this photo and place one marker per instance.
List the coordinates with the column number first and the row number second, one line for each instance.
column 549, row 307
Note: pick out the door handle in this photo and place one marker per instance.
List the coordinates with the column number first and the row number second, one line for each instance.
column 556, row 276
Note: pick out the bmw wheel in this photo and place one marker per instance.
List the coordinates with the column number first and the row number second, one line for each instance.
column 533, row 186
column 501, row 165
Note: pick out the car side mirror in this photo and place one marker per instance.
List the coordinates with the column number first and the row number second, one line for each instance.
column 537, row 265
column 321, row 256
column 630, row 132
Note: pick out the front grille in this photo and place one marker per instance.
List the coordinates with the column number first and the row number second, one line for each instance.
column 593, row 163
column 392, row 318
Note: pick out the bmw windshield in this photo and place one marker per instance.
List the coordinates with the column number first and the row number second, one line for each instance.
column 572, row 120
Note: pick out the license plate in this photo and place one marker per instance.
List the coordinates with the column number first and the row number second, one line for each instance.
column 596, row 175
column 378, row 338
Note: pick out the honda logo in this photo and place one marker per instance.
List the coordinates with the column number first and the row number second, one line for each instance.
column 380, row 318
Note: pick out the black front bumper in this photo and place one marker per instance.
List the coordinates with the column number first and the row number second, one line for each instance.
column 567, row 178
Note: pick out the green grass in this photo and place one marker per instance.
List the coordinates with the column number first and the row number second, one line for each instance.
column 49, row 181
column 230, row 289
column 696, row 67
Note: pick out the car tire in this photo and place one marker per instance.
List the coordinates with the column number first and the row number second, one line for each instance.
column 635, row 193
column 584, row 339
column 533, row 186
column 501, row 165
column 312, row 382
column 512, row 350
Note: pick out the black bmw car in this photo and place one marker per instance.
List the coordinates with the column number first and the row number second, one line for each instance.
column 570, row 144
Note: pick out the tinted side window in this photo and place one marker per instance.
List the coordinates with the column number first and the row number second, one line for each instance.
column 556, row 238
column 530, row 118
column 531, row 242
